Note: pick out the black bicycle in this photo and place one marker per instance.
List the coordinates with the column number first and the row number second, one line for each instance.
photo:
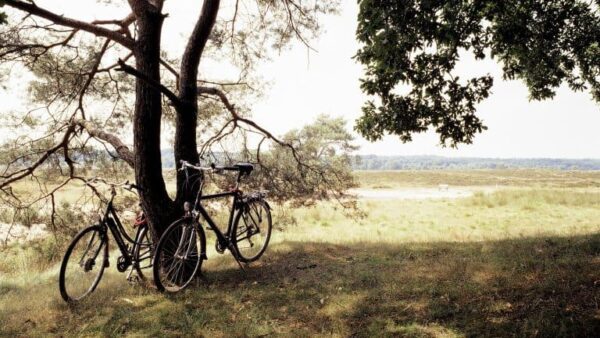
column 182, row 247
column 87, row 256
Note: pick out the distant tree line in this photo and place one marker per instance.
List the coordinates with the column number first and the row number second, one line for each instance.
column 374, row 162
column 99, row 159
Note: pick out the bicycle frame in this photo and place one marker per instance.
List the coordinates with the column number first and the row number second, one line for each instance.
column 111, row 221
column 223, row 238
column 199, row 210
column 172, row 267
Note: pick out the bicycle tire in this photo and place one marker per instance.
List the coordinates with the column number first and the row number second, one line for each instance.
column 165, row 257
column 240, row 236
column 143, row 253
column 67, row 292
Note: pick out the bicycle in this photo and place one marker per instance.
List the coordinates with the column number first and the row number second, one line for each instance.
column 182, row 247
column 87, row 256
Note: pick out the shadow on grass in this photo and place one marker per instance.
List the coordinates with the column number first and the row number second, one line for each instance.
column 536, row 286
column 521, row 287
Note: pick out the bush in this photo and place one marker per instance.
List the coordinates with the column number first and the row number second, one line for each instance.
column 28, row 216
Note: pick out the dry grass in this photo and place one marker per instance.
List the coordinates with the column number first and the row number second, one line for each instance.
column 522, row 261
column 511, row 178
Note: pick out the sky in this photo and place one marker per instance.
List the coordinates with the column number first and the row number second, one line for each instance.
column 305, row 84
column 328, row 82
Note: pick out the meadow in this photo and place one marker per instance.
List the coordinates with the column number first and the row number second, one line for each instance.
column 519, row 257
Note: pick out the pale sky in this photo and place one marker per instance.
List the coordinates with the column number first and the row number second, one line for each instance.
column 304, row 85
column 328, row 82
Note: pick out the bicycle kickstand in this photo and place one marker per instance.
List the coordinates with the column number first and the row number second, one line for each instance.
column 132, row 279
column 234, row 254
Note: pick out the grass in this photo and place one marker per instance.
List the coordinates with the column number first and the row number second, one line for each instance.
column 521, row 261
column 537, row 178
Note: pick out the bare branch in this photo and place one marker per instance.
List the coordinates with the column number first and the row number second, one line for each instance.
column 132, row 71
column 91, row 76
column 235, row 13
column 19, row 174
column 33, row 9
column 171, row 70
column 123, row 23
column 291, row 20
column 238, row 118
column 124, row 152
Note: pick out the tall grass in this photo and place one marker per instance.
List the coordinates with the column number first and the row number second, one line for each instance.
column 529, row 199
column 511, row 178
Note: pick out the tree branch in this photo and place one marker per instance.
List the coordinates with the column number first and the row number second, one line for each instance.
column 33, row 9
column 124, row 152
column 123, row 23
column 19, row 174
column 91, row 75
column 132, row 71
column 195, row 46
column 238, row 118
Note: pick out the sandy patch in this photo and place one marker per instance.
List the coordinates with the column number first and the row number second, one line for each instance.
column 414, row 193
column 19, row 233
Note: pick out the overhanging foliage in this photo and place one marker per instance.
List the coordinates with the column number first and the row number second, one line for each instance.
column 417, row 43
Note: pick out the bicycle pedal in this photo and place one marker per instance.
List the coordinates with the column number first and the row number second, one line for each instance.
column 106, row 263
column 219, row 248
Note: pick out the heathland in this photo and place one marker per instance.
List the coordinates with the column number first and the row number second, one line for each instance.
column 517, row 253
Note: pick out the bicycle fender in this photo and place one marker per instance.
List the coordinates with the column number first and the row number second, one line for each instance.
column 202, row 241
column 268, row 205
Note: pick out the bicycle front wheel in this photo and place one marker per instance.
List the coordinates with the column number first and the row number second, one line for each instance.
column 252, row 230
column 178, row 256
column 83, row 264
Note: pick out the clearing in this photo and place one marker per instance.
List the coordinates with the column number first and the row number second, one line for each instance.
column 523, row 260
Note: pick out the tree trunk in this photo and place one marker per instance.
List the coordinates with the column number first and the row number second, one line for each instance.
column 159, row 208
column 187, row 113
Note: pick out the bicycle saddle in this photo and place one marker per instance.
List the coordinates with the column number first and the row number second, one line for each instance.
column 244, row 168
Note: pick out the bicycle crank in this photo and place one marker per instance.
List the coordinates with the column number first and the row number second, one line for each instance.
column 123, row 263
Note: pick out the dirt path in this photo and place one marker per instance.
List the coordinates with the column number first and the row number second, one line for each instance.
column 17, row 232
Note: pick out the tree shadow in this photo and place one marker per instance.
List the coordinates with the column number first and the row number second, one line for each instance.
column 547, row 286
column 543, row 286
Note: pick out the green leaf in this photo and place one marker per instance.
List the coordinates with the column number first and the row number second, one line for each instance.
column 410, row 49
column 2, row 14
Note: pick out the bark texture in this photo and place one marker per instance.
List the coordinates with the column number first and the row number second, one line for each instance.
column 187, row 113
column 160, row 209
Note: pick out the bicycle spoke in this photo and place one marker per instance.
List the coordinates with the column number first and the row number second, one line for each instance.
column 81, row 269
column 179, row 257
column 252, row 231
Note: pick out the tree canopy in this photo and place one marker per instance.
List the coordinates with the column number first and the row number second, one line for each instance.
column 2, row 14
column 98, row 84
column 411, row 48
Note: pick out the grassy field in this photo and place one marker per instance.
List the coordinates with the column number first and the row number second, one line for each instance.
column 504, row 177
column 521, row 261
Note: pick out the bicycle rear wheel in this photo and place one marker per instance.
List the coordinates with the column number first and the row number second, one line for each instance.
column 252, row 230
column 178, row 256
column 143, row 253
column 83, row 264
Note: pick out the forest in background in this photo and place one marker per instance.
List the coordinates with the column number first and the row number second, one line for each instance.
column 430, row 162
column 374, row 162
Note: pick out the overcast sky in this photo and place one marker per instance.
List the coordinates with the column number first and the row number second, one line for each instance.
column 567, row 126
column 304, row 85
